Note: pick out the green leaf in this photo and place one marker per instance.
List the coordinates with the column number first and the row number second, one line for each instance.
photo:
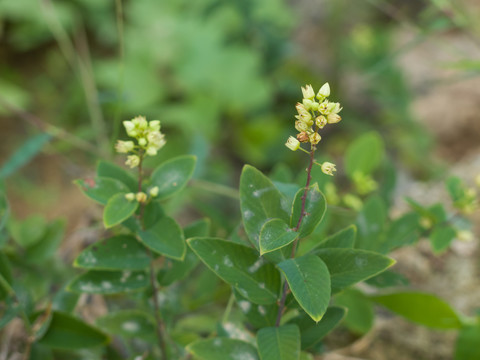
column 350, row 266
column 425, row 309
column 312, row 332
column 441, row 237
column 260, row 201
column 279, row 343
column 241, row 267
column 65, row 300
column 257, row 315
column 344, row 238
column 403, row 231
column 121, row 252
column 24, row 154
column 4, row 210
column 109, row 282
column 70, row 333
column 315, row 207
column 174, row 270
column 6, row 277
column 108, row 170
column 48, row 244
column 455, row 188
column 129, row 324
column 173, row 175
column 274, row 235
column 467, row 347
column 360, row 313
column 309, row 281
column 118, row 209
column 29, row 231
column 165, row 238
column 371, row 223
column 101, row 189
column 222, row 349
column 364, row 154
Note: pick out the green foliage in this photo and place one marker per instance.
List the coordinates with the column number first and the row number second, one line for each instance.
column 222, row 349
column 282, row 343
column 172, row 176
column 118, row 209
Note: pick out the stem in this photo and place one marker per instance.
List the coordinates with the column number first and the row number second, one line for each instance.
column 281, row 307
column 153, row 282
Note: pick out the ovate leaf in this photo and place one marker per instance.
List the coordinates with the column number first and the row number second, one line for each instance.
column 467, row 343
column 173, row 175
column 349, row 266
column 109, row 282
column 118, row 209
column 441, row 238
column 165, row 238
column 70, row 333
column 425, row 309
column 241, row 267
column 344, row 238
column 260, row 201
column 121, row 252
column 101, row 189
column 222, row 349
column 279, row 343
column 309, row 281
column 274, row 235
column 315, row 206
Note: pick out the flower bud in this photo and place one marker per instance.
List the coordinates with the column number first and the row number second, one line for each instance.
column 308, row 103
column 151, row 151
column 328, row 168
column 306, row 118
column 154, row 125
column 320, row 121
column 124, row 147
column 301, row 126
column 141, row 197
column 132, row 161
column 308, row 92
column 156, row 139
column 130, row 128
column 142, row 141
column 333, row 118
column 323, row 108
column 334, row 108
column 303, row 137
column 301, row 109
column 154, row 191
column 315, row 138
column 323, row 92
column 140, row 122
column 130, row 196
column 292, row 143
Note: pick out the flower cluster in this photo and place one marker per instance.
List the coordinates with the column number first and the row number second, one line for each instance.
column 148, row 136
column 314, row 113
column 141, row 197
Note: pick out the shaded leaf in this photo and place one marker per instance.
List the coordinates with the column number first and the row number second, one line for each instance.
column 466, row 347
column 371, row 223
column 312, row 332
column 48, row 244
column 344, row 238
column 364, row 154
column 129, row 324
column 360, row 313
column 106, row 169
column 257, row 315
column 441, row 238
column 68, row 332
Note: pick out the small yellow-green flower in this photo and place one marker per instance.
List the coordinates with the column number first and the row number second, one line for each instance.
column 308, row 92
column 132, row 161
column 141, row 197
column 130, row 196
column 154, row 191
column 124, row 147
column 292, row 143
column 324, row 92
column 328, row 168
